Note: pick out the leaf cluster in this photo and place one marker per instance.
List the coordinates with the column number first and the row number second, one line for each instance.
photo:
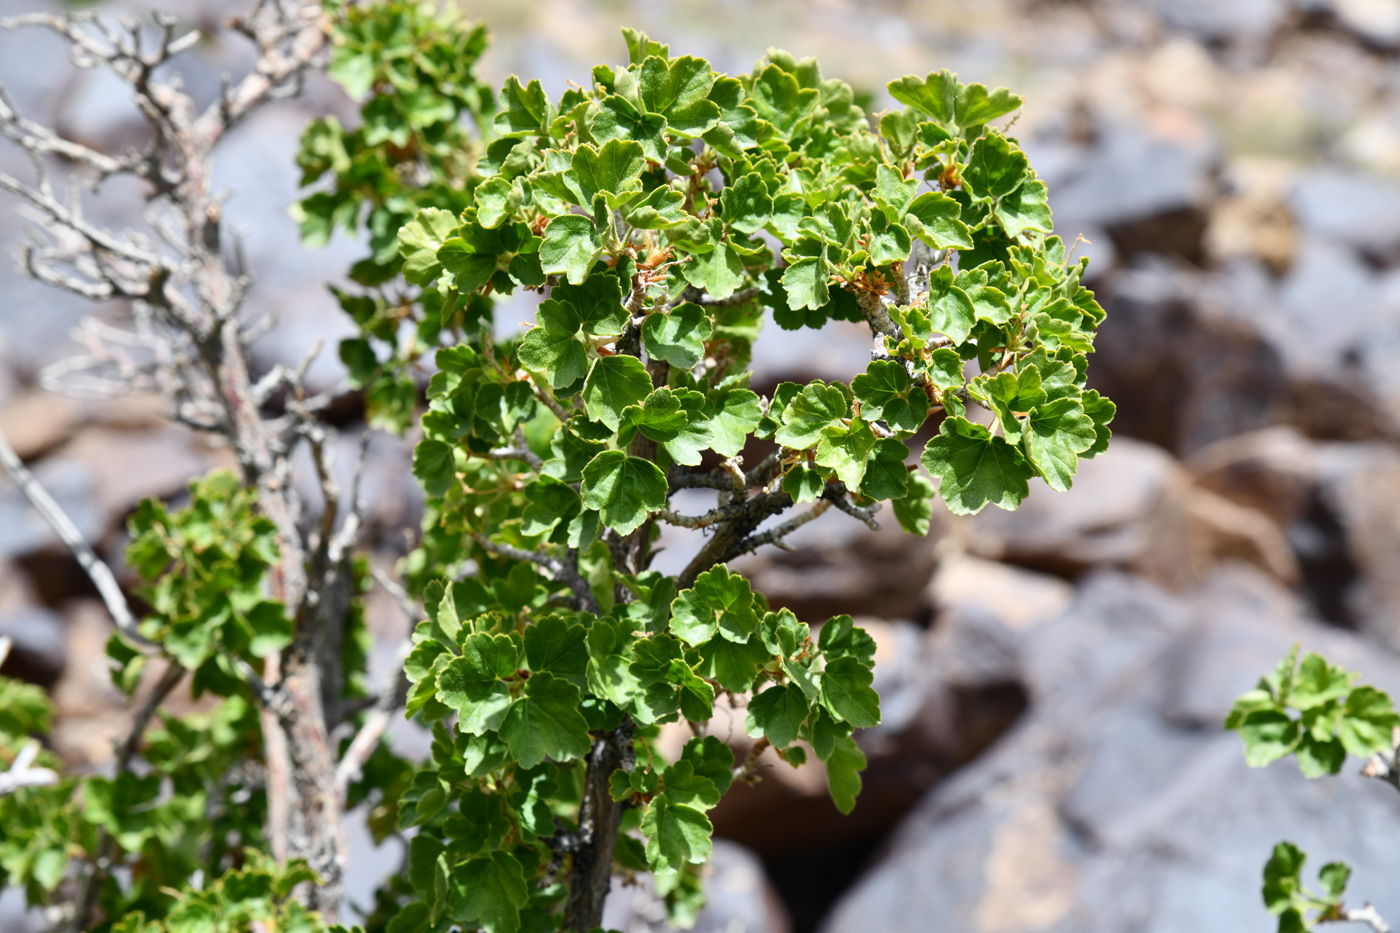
column 412, row 65
column 1297, row 908
column 1313, row 711
column 205, row 570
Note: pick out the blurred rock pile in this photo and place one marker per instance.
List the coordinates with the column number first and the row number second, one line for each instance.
column 1053, row 680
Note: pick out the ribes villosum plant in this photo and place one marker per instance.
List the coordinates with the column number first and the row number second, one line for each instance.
column 662, row 215
column 664, row 212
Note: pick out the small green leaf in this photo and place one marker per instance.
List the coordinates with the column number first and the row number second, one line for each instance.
column 546, row 722
column 893, row 193
column 677, row 835
column 950, row 310
column 915, row 509
column 614, row 383
column 623, row 489
column 1056, row 434
column 1334, row 877
column 886, row 393
column 935, row 95
column 1318, row 758
column 678, row 90
column 1101, row 410
column 1318, row 682
column 805, row 282
column 843, row 768
column 613, row 171
column 489, row 892
column 719, row 601
column 1367, row 721
column 815, row 408
column 934, row 218
column 1283, row 877
column 1268, row 736
column 746, row 203
column 471, row 684
column 433, row 466
column 995, row 167
column 731, row 663
column 846, row 449
column 570, row 247
column 678, row 336
column 609, row 660
column 886, row 476
column 719, row 272
column 496, row 199
column 777, row 713
column 847, row 694
column 675, row 420
column 618, row 119
column 803, row 484
column 551, row 346
column 523, row 110
column 554, row 645
column 419, row 242
column 598, row 302
column 1027, row 208
column 975, row 468
column 734, row 415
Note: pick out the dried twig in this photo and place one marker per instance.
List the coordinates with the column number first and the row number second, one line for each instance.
column 22, row 772
column 100, row 574
column 1369, row 916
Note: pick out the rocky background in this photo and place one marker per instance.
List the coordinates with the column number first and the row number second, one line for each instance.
column 1053, row 680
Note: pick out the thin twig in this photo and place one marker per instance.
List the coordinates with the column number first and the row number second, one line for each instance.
column 564, row 573
column 835, row 493
column 747, row 772
column 100, row 574
column 366, row 740
column 1369, row 916
column 407, row 606
column 102, row 860
column 712, row 517
column 22, row 772
column 777, row 533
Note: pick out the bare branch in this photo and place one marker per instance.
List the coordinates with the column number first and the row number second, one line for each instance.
column 747, row 772
column 777, row 533
column 100, row 574
column 1368, row 916
column 514, row 453
column 835, row 493
column 391, row 586
column 712, row 517
column 547, row 398
column 567, row 574
column 367, row 738
column 22, row 772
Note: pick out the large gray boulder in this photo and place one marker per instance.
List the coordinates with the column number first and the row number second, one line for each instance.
column 1119, row 803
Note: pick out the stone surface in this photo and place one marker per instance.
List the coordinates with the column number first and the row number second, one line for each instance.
column 1337, row 506
column 840, row 566
column 1117, row 804
column 1146, row 185
column 1132, row 507
column 133, row 465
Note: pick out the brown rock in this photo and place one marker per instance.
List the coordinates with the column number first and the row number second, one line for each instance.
column 1021, row 599
column 1273, row 471
column 1134, row 507
column 37, row 422
column 132, row 465
column 840, row 566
